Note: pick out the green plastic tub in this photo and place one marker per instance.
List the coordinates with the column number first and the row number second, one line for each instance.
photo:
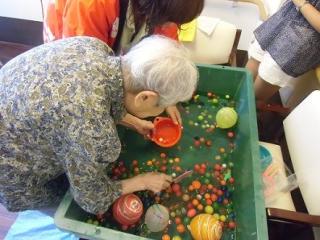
column 247, row 197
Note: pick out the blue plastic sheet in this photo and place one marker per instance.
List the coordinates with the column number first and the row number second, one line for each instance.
column 31, row 225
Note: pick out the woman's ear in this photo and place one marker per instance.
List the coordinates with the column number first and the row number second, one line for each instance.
column 146, row 98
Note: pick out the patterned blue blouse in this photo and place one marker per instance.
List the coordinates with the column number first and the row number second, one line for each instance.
column 291, row 41
column 59, row 104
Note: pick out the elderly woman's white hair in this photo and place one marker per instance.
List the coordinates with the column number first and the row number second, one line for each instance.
column 161, row 65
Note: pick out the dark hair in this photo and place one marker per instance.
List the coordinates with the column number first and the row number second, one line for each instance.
column 158, row 12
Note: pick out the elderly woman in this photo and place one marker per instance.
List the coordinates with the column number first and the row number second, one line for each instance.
column 60, row 103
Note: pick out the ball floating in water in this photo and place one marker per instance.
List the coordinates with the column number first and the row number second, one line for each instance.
column 157, row 218
column 127, row 209
column 226, row 117
column 205, row 227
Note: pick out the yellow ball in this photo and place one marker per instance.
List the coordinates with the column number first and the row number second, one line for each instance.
column 205, row 227
column 226, row 117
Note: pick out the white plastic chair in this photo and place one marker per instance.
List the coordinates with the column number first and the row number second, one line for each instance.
column 302, row 131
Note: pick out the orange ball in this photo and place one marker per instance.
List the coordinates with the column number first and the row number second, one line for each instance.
column 196, row 184
column 200, row 207
column 181, row 228
column 166, row 237
column 177, row 220
column 195, row 202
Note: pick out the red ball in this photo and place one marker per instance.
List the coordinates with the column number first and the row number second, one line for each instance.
column 202, row 171
column 176, row 187
column 231, row 180
column 196, row 167
column 191, row 213
column 127, row 209
column 230, row 134
column 197, row 143
column 163, row 155
column 232, row 225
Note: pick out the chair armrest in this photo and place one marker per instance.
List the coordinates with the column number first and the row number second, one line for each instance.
column 291, row 216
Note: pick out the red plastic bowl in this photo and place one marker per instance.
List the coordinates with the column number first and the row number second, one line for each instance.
column 165, row 133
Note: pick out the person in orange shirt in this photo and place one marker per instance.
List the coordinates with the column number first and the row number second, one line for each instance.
column 119, row 23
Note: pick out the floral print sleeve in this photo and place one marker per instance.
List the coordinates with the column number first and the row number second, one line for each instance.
column 59, row 104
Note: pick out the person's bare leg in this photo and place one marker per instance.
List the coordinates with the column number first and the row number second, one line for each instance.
column 264, row 90
column 253, row 66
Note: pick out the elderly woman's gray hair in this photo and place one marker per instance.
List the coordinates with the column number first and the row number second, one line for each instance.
column 161, row 65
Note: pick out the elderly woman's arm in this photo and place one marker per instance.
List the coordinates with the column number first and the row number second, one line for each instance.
column 92, row 147
column 141, row 126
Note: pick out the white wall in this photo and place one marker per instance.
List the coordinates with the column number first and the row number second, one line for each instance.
column 22, row 9
column 244, row 16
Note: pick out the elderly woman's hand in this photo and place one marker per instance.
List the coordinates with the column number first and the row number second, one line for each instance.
column 155, row 181
column 174, row 113
column 144, row 127
column 141, row 126
column 152, row 181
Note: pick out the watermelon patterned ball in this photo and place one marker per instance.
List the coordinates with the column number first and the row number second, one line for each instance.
column 127, row 209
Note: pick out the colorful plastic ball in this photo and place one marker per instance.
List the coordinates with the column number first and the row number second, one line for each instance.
column 186, row 221
column 197, row 143
column 181, row 228
column 232, row 215
column 205, row 227
column 157, row 218
column 208, row 209
column 226, row 117
column 127, row 209
column 163, row 155
column 230, row 134
column 177, row 220
column 166, row 237
column 191, row 213
column 176, row 187
column 185, row 197
column 210, row 94
column 176, row 237
column 222, row 218
column 231, row 225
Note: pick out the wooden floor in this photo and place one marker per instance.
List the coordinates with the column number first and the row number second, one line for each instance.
column 6, row 220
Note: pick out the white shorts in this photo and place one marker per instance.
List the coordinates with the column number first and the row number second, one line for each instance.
column 268, row 70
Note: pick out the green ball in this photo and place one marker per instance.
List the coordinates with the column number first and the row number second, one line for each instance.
column 186, row 221
column 208, row 209
column 176, row 237
column 200, row 117
column 226, row 117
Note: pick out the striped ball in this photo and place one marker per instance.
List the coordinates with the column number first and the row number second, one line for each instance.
column 205, row 227
column 127, row 209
